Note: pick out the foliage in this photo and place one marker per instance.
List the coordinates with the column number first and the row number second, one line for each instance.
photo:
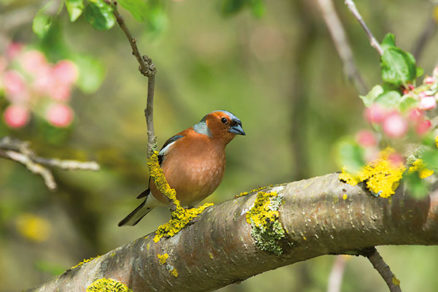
column 400, row 114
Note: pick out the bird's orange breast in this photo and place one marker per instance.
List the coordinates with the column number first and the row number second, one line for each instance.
column 193, row 169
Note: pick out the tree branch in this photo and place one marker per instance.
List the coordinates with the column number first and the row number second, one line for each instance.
column 342, row 45
column 147, row 68
column 20, row 152
column 218, row 249
column 373, row 42
column 379, row 264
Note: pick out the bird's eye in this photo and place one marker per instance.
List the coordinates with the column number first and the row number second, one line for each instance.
column 224, row 120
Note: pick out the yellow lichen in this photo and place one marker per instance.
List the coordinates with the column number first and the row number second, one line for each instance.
column 83, row 262
column 418, row 166
column 180, row 216
column 261, row 213
column 174, row 272
column 344, row 197
column 107, row 285
column 266, row 230
column 382, row 176
column 395, row 281
column 251, row 191
column 162, row 258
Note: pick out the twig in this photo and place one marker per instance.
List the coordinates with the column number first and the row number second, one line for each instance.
column 427, row 34
column 340, row 40
column 379, row 264
column 373, row 42
column 147, row 68
column 337, row 273
column 20, row 152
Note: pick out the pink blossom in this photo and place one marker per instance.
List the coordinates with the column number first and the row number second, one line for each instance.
column 366, row 138
column 396, row 159
column 65, row 72
column 422, row 127
column 59, row 115
column 429, row 80
column 34, row 62
column 394, row 125
column 60, row 92
column 15, row 86
column 415, row 115
column 16, row 116
column 13, row 50
column 427, row 103
column 375, row 114
column 43, row 81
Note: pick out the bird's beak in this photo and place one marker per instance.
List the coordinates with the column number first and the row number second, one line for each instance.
column 237, row 129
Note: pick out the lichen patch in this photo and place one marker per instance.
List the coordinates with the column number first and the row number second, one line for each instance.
column 107, row 285
column 266, row 229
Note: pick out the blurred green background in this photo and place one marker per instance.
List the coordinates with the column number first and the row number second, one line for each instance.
column 279, row 73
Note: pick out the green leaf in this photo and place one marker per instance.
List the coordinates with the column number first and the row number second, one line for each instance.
column 351, row 156
column 389, row 99
column 397, row 66
column 42, row 22
column 407, row 102
column 388, row 41
column 99, row 15
column 138, row 8
column 430, row 159
column 91, row 73
column 74, row 8
column 157, row 17
column 368, row 99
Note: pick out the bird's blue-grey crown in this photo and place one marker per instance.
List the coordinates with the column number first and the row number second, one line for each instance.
column 236, row 124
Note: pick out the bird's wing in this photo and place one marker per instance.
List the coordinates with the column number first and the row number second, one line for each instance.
column 164, row 150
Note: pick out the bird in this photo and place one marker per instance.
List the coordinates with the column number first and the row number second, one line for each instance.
column 193, row 162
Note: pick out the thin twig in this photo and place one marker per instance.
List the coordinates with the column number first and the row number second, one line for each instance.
column 20, row 152
column 427, row 34
column 340, row 40
column 147, row 68
column 337, row 273
column 373, row 42
column 379, row 264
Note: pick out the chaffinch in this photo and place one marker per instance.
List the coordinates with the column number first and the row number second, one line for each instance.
column 193, row 162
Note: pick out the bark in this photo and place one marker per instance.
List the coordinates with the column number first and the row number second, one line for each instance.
column 218, row 249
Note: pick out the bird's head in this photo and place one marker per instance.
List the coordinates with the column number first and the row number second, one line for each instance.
column 221, row 125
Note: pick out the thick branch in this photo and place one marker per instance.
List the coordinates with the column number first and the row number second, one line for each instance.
column 20, row 152
column 340, row 40
column 219, row 250
column 373, row 42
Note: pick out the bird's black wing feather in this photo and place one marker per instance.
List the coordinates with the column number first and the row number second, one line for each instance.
column 160, row 160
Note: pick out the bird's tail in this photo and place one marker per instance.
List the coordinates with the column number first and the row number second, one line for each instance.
column 135, row 216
